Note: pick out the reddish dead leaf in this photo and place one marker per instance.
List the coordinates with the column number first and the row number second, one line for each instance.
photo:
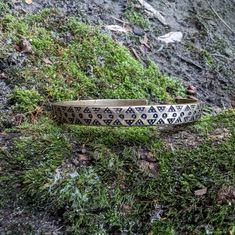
column 35, row 114
column 146, row 155
column 19, row 118
column 149, row 168
column 126, row 209
column 46, row 61
column 24, row 46
column 226, row 194
column 81, row 159
column 200, row 192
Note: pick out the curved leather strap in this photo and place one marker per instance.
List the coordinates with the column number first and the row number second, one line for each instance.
column 118, row 112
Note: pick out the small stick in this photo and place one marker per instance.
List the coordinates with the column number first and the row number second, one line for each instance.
column 222, row 20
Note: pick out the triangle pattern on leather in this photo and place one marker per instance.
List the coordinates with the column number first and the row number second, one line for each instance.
column 117, row 123
column 77, row 121
column 71, row 120
column 118, row 110
column 107, row 121
column 178, row 120
column 139, row 123
column 129, row 122
column 151, row 121
column 179, row 107
column 86, row 110
column 130, row 110
column 187, row 108
column 87, row 121
column 77, row 109
column 161, row 108
column 152, row 110
column 160, row 121
column 107, row 110
column 140, row 109
column 186, row 119
column 96, row 122
column 170, row 120
column 171, row 109
column 95, row 109
column 70, row 109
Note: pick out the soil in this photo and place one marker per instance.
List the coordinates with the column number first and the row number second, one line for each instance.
column 205, row 38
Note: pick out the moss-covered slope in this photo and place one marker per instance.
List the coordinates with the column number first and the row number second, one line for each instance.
column 103, row 180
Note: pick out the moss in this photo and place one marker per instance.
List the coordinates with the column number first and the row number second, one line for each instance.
column 82, row 62
column 110, row 193
column 208, row 60
column 95, row 198
column 25, row 100
column 137, row 19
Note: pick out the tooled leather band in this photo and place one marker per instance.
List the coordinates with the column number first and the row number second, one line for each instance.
column 118, row 112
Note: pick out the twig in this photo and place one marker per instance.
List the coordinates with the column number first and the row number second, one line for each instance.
column 189, row 61
column 221, row 19
column 119, row 20
column 135, row 54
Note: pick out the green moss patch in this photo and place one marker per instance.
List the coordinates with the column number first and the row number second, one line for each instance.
column 106, row 180
column 70, row 60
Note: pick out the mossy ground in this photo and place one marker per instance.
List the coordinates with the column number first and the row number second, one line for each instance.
column 108, row 192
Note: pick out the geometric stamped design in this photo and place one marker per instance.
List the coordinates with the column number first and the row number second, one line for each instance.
column 86, row 110
column 188, row 108
column 70, row 109
column 95, row 109
column 144, row 115
column 77, row 109
column 171, row 109
column 152, row 110
column 107, row 110
column 140, row 109
column 129, row 122
column 118, row 110
column 151, row 121
column 130, row 110
column 139, row 123
column 117, row 123
column 161, row 108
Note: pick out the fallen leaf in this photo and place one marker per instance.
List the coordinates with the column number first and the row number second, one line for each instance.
column 200, row 192
column 19, row 118
column 156, row 13
column 46, row 61
column 117, row 28
column 28, row 1
column 24, row 46
column 226, row 194
column 144, row 41
column 3, row 76
column 149, row 168
column 171, row 37
column 34, row 115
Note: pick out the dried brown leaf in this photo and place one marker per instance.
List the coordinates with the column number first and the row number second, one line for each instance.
column 117, row 28
column 200, row 192
column 46, row 61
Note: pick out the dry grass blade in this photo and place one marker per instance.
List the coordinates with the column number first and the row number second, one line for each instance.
column 158, row 14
